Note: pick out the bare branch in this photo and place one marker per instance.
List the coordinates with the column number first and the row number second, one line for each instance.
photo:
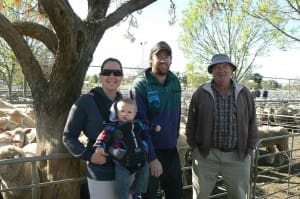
column 22, row 52
column 38, row 32
column 172, row 13
column 121, row 12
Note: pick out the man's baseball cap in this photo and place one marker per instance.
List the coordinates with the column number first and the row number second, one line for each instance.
column 162, row 45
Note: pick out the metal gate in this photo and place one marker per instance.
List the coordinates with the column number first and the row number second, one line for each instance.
column 276, row 175
column 276, row 180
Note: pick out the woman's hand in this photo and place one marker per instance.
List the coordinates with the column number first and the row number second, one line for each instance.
column 99, row 157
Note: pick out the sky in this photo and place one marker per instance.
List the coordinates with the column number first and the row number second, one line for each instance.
column 153, row 27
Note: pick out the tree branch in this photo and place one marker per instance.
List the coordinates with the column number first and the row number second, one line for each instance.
column 276, row 27
column 125, row 9
column 38, row 32
column 68, row 27
column 71, row 35
column 97, row 9
column 31, row 68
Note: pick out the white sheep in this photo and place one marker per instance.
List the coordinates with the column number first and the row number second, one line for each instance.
column 285, row 115
column 5, row 138
column 182, row 145
column 265, row 114
column 4, row 104
column 6, row 124
column 20, row 117
column 183, row 150
column 16, row 174
column 282, row 144
column 30, row 150
column 20, row 136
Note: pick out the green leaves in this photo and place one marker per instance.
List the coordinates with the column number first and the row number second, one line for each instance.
column 223, row 26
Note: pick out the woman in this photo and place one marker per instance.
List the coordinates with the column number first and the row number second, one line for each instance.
column 87, row 116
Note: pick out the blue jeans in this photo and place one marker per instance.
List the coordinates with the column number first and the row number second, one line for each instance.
column 136, row 182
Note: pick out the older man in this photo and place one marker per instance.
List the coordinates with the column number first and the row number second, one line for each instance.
column 222, row 131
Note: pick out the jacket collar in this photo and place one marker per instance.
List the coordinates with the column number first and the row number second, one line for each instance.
column 237, row 88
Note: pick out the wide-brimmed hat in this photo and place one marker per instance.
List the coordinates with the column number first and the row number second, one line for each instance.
column 162, row 45
column 220, row 58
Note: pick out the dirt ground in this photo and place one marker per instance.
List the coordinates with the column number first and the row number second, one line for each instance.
column 281, row 181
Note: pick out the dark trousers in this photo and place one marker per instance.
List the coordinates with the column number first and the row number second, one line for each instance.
column 171, row 179
column 84, row 191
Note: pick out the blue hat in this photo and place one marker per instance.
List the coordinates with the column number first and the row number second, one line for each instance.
column 220, row 58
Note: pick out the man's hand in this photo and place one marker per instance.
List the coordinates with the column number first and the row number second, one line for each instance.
column 155, row 168
column 99, row 157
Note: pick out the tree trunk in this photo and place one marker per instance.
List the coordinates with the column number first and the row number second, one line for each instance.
column 73, row 42
column 50, row 125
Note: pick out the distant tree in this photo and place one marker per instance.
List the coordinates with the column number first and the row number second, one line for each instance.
column 211, row 27
column 283, row 16
column 195, row 76
column 9, row 67
column 184, row 80
column 271, row 84
column 72, row 42
column 93, row 79
column 257, row 78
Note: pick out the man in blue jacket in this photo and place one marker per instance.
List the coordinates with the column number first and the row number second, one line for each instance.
column 157, row 93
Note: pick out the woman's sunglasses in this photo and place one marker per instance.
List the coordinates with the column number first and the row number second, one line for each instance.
column 108, row 72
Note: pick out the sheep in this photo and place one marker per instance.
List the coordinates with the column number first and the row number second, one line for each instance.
column 6, row 124
column 19, row 137
column 16, row 174
column 285, row 115
column 20, row 118
column 30, row 150
column 15, row 116
column 182, row 145
column 281, row 144
column 183, row 150
column 4, row 112
column 265, row 114
column 24, row 136
column 30, row 111
column 4, row 104
column 5, row 138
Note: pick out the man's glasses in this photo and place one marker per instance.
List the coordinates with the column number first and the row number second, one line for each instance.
column 108, row 72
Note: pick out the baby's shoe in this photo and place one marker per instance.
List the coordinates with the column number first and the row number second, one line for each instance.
column 135, row 195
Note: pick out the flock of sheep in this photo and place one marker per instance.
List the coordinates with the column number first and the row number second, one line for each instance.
column 283, row 114
column 277, row 119
column 18, row 139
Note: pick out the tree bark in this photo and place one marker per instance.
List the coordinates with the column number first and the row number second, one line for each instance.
column 73, row 43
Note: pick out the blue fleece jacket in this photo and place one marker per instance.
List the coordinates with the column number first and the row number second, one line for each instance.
column 85, row 117
column 159, row 104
